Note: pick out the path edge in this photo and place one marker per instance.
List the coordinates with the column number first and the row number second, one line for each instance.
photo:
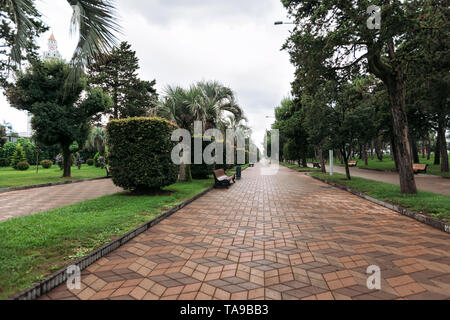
column 397, row 208
column 51, row 184
column 60, row 276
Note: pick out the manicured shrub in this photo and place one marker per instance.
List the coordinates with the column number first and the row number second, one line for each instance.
column 18, row 156
column 90, row 162
column 140, row 153
column 46, row 164
column 23, row 166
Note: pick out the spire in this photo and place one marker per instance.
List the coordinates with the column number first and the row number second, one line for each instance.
column 52, row 37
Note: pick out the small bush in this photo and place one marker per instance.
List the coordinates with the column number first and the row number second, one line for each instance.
column 46, row 164
column 90, row 162
column 23, row 166
column 140, row 153
column 18, row 156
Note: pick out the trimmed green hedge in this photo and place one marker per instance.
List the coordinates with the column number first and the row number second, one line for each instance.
column 46, row 164
column 140, row 153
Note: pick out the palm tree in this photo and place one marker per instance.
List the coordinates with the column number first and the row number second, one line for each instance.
column 205, row 101
column 94, row 20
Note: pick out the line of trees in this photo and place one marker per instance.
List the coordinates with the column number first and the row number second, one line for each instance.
column 360, row 86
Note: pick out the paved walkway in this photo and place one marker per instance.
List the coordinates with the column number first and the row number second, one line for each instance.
column 24, row 202
column 424, row 182
column 274, row 237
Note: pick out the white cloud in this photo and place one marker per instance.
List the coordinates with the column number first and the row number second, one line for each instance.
column 184, row 41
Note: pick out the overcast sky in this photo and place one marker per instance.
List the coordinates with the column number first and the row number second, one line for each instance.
column 180, row 42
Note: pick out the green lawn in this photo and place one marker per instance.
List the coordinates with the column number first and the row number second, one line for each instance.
column 14, row 178
column 233, row 170
column 437, row 206
column 388, row 165
column 299, row 169
column 35, row 246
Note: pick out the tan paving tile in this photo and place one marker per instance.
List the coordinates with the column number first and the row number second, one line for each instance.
column 285, row 236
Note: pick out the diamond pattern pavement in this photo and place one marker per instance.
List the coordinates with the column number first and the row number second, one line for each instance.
column 285, row 236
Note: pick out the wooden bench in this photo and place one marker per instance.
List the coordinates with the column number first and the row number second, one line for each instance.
column 419, row 168
column 221, row 179
column 352, row 163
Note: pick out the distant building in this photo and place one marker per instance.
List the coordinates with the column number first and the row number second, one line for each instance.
column 52, row 52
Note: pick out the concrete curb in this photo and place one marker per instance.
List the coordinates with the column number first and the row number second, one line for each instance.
column 4, row 190
column 60, row 276
column 402, row 210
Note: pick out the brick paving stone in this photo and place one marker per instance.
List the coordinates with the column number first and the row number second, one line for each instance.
column 283, row 236
column 15, row 204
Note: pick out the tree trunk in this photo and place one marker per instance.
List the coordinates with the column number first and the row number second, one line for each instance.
column 371, row 149
column 443, row 147
column 437, row 150
column 365, row 155
column 67, row 163
column 347, row 169
column 428, row 148
column 397, row 92
column 378, row 150
column 415, row 152
column 423, row 149
column 394, row 153
column 304, row 162
column 322, row 161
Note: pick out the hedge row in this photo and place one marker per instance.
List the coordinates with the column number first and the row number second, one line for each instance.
column 140, row 153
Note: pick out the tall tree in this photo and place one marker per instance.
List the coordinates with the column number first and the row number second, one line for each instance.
column 116, row 73
column 334, row 36
column 58, row 117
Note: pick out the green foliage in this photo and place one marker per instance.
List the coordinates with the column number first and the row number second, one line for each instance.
column 96, row 163
column 59, row 116
column 18, row 156
column 117, row 74
column 90, row 162
column 140, row 153
column 22, row 166
column 2, row 136
column 46, row 164
column 6, row 153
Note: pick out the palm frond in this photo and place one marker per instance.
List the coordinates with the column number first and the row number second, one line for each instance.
column 24, row 25
column 96, row 23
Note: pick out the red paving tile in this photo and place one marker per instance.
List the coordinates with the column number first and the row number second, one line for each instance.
column 285, row 236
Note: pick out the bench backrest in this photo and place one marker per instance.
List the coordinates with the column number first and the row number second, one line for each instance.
column 219, row 173
column 417, row 166
column 352, row 162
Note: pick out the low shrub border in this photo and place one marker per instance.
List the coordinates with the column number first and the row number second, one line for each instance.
column 60, row 276
column 49, row 184
column 402, row 210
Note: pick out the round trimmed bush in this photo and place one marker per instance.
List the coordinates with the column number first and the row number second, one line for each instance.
column 23, row 166
column 46, row 164
column 90, row 162
column 140, row 153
